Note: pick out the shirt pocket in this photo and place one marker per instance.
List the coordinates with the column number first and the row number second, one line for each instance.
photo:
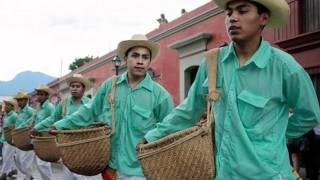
column 142, row 120
column 250, row 107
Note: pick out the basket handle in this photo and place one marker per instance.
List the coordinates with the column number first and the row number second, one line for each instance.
column 111, row 100
column 213, row 94
column 34, row 116
column 64, row 108
column 210, row 119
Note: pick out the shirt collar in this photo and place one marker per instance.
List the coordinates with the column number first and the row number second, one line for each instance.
column 122, row 78
column 260, row 58
column 24, row 109
column 145, row 83
column 44, row 104
column 10, row 113
column 229, row 52
column 83, row 100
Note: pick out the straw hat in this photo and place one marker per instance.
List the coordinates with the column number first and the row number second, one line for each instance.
column 79, row 78
column 279, row 10
column 44, row 88
column 11, row 101
column 21, row 95
column 135, row 41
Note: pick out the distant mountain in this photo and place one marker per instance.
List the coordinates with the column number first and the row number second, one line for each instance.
column 25, row 81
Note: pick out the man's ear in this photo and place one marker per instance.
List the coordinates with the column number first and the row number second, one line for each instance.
column 125, row 58
column 264, row 19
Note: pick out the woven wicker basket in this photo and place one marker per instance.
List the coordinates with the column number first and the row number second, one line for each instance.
column 7, row 134
column 85, row 151
column 86, row 157
column 45, row 147
column 21, row 138
column 186, row 155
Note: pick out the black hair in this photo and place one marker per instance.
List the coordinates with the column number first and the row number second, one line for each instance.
column 127, row 51
column 260, row 8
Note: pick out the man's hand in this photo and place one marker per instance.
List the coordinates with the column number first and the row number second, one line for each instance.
column 53, row 130
column 202, row 120
column 11, row 126
column 214, row 95
column 289, row 141
column 35, row 132
column 142, row 142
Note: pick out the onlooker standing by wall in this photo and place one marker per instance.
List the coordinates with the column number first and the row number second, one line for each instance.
column 1, row 117
column 8, row 151
column 24, row 159
column 311, row 153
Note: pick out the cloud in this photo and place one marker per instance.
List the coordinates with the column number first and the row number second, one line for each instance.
column 38, row 34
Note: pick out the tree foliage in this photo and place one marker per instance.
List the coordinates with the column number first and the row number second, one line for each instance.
column 78, row 62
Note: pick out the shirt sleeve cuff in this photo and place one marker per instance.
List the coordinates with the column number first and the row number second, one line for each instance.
column 39, row 127
column 62, row 124
column 152, row 135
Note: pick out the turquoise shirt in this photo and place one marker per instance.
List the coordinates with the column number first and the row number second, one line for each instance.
column 251, row 115
column 9, row 119
column 67, row 107
column 137, row 111
column 42, row 112
column 24, row 115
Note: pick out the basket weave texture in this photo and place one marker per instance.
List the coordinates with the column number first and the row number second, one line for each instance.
column 186, row 155
column 45, row 147
column 85, row 151
column 21, row 138
column 7, row 134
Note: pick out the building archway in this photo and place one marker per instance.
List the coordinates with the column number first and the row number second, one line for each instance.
column 191, row 52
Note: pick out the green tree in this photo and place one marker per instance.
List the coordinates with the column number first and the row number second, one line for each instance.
column 78, row 62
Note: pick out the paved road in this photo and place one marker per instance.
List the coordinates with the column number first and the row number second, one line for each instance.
column 57, row 173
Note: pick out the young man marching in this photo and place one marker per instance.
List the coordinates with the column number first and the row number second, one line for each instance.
column 257, row 85
column 140, row 104
column 77, row 85
column 24, row 159
column 8, row 151
column 43, row 111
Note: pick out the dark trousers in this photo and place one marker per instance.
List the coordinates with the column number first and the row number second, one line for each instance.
column 312, row 156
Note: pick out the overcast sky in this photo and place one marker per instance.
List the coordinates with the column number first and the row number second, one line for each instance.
column 38, row 35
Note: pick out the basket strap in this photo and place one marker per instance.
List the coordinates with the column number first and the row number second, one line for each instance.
column 64, row 108
column 34, row 115
column 212, row 58
column 111, row 99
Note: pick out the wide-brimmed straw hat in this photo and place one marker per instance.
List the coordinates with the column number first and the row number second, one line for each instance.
column 21, row 95
column 79, row 78
column 279, row 10
column 138, row 40
column 11, row 101
column 44, row 88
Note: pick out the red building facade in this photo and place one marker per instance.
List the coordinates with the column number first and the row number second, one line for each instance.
column 184, row 40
